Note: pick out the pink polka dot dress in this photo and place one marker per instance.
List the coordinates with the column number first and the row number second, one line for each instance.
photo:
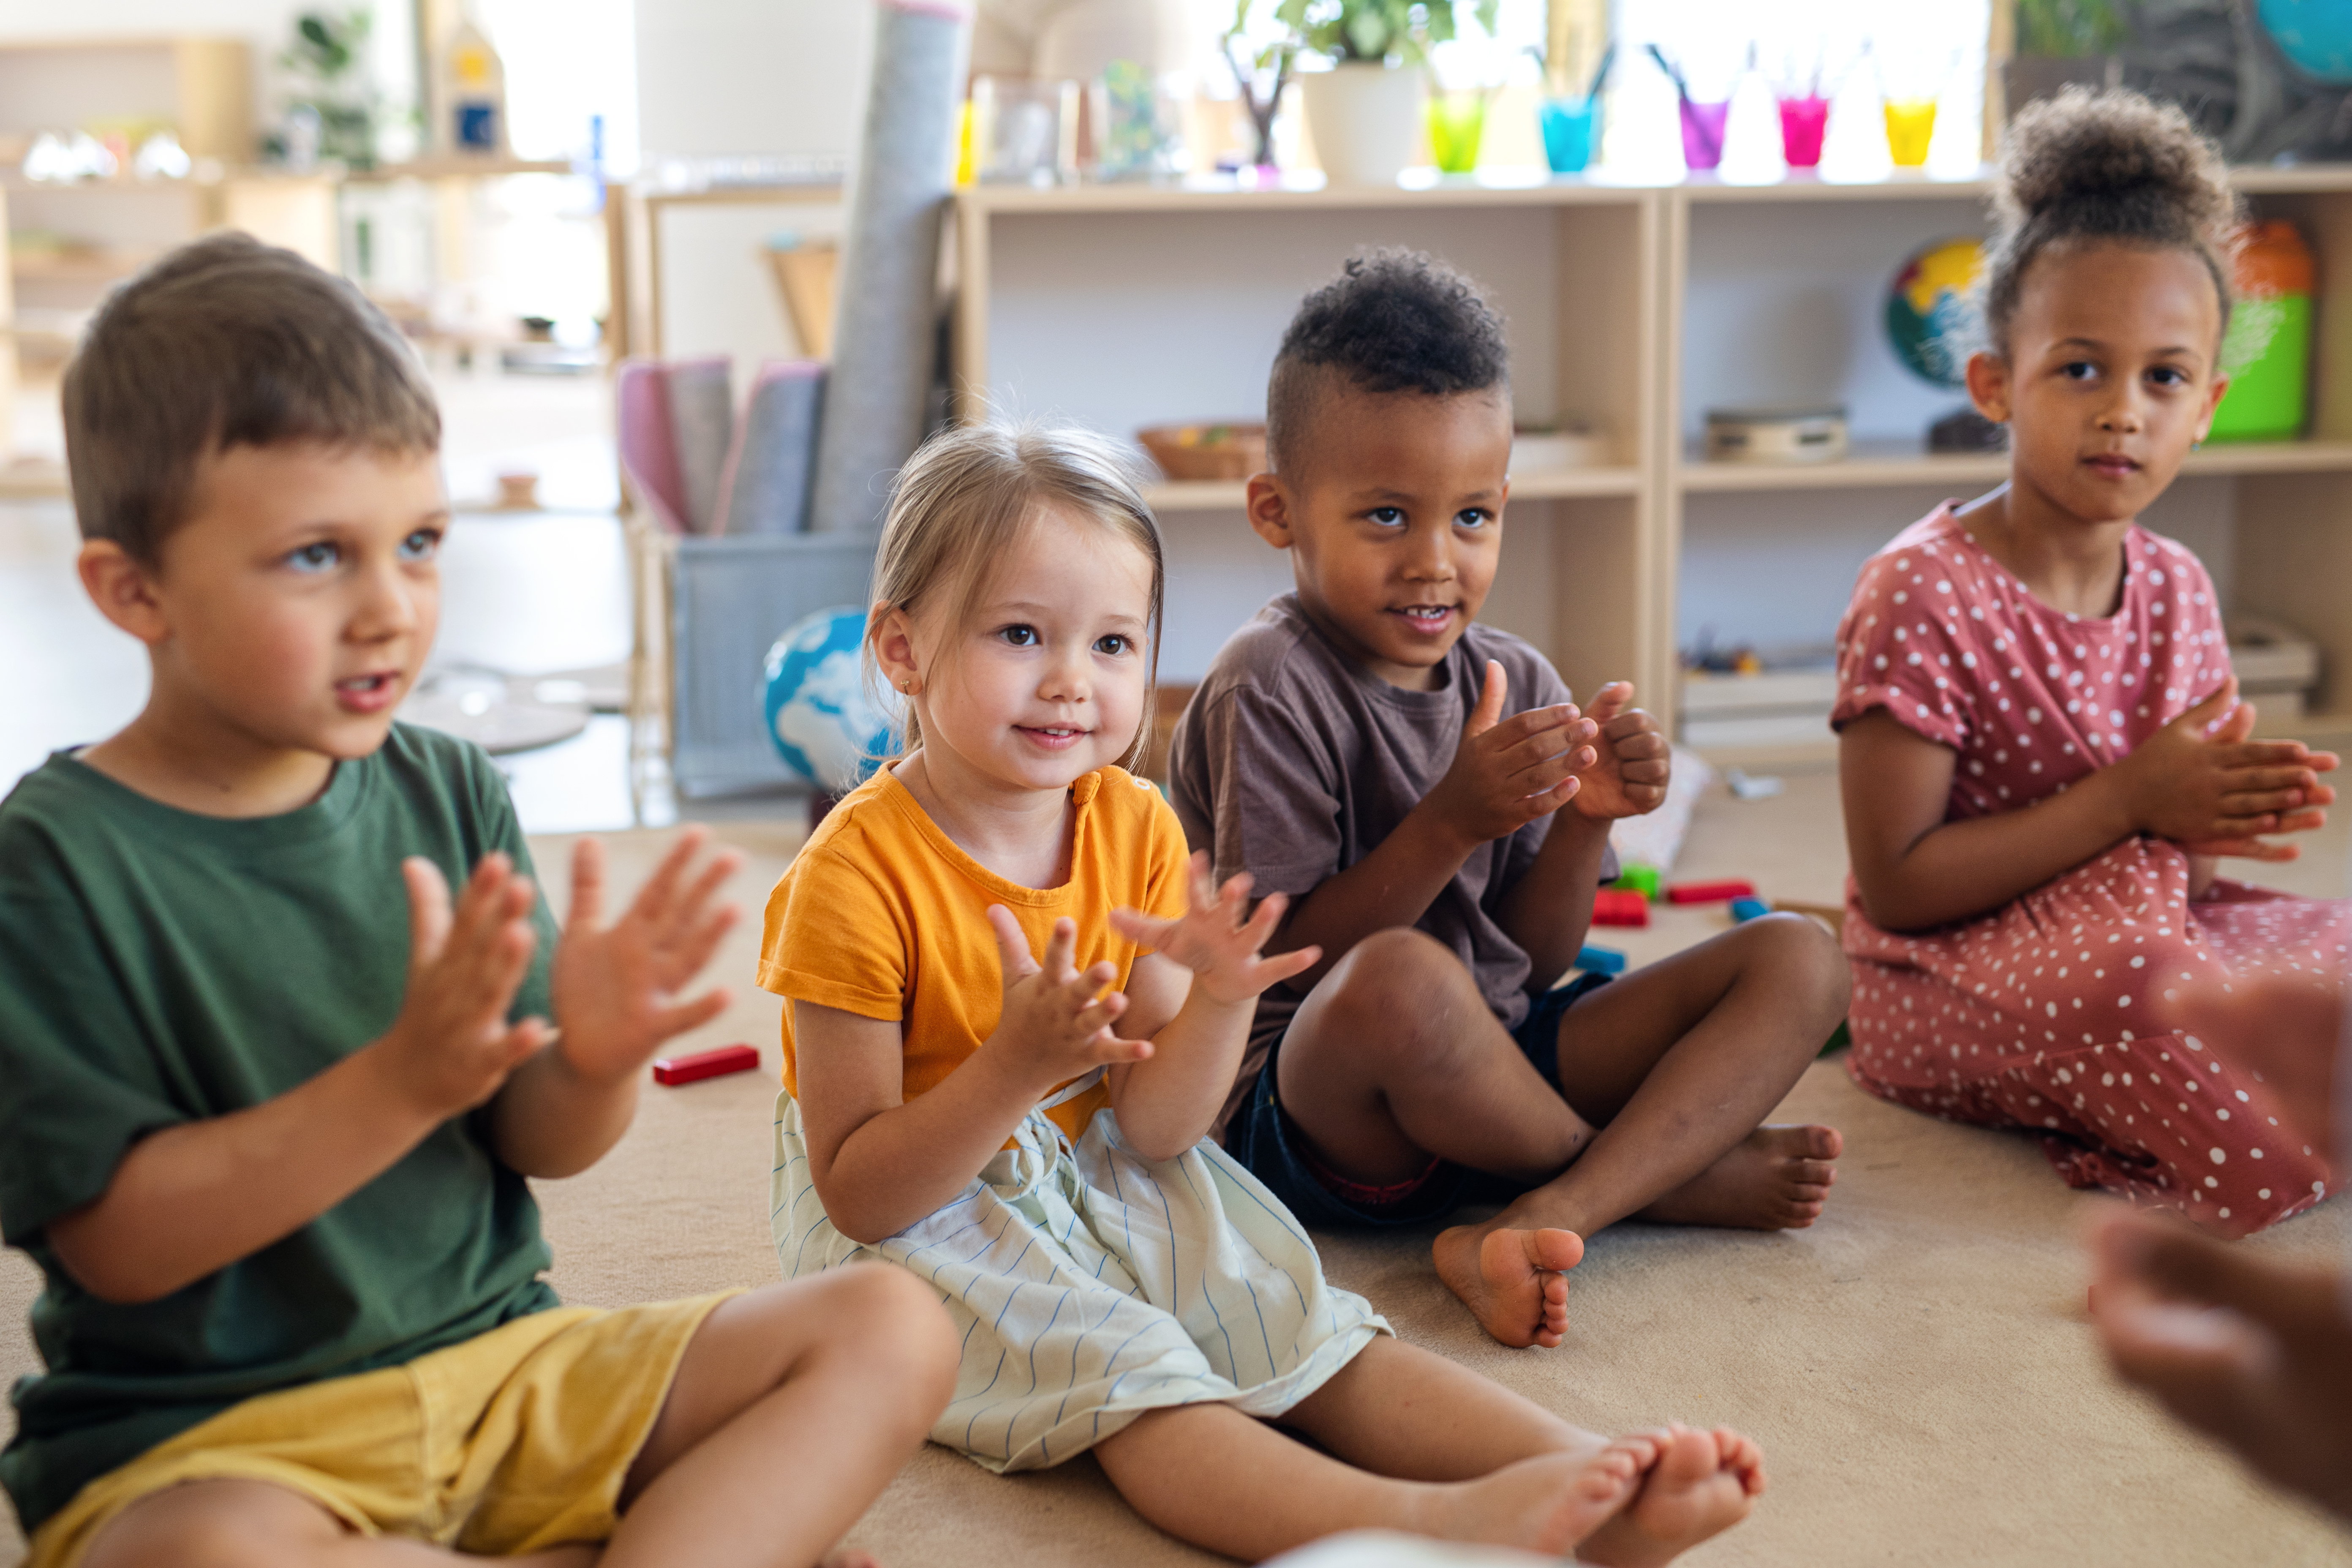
column 2059, row 1011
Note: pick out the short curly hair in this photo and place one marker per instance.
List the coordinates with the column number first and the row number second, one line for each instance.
column 1393, row 321
column 2104, row 168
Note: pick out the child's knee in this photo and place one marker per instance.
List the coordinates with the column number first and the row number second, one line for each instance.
column 1398, row 988
column 1796, row 953
column 215, row 1524
column 895, row 1317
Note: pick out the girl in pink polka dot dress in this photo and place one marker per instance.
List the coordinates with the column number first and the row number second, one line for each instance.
column 2041, row 747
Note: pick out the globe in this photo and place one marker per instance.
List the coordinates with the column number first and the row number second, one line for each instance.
column 826, row 724
column 2315, row 35
column 1930, row 314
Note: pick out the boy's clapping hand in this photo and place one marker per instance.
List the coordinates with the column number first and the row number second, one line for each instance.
column 1632, row 763
column 452, row 1040
column 613, row 986
column 1215, row 941
column 1508, row 771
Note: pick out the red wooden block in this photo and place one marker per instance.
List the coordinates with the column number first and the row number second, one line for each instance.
column 1709, row 892
column 1613, row 906
column 675, row 1070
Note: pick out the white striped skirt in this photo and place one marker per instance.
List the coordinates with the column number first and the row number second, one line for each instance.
column 1090, row 1285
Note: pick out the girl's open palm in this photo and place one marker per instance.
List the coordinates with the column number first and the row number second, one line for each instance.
column 1215, row 942
column 1055, row 1017
column 614, row 985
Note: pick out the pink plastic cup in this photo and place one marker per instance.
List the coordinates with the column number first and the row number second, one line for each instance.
column 1803, row 121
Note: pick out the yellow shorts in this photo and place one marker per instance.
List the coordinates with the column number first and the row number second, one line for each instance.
column 514, row 1441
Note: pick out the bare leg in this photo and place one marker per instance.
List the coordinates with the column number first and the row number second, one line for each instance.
column 1679, row 1062
column 791, row 1410
column 253, row 1524
column 1211, row 1476
column 1399, row 1410
column 1393, row 1057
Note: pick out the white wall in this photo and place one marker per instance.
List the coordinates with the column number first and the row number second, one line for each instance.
column 751, row 76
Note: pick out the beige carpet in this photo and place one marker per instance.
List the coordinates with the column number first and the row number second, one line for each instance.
column 1917, row 1366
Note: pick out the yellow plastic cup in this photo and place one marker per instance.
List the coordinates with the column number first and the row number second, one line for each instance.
column 1457, row 123
column 1910, row 127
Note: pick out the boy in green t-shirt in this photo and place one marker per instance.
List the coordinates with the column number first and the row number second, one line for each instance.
column 267, row 1124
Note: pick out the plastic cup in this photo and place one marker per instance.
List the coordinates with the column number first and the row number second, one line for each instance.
column 1703, row 126
column 1457, row 121
column 1570, row 127
column 1803, row 121
column 1910, row 127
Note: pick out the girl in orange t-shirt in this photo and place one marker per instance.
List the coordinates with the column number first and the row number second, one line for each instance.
column 1025, row 1130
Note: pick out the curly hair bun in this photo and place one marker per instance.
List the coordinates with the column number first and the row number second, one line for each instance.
column 2115, row 146
column 2089, row 167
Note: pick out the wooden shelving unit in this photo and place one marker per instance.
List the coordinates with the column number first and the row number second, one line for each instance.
column 1122, row 305
column 1125, row 305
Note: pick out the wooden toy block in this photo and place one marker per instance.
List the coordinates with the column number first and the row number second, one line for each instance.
column 1745, row 910
column 1600, row 961
column 675, row 1070
column 1619, row 908
column 1709, row 892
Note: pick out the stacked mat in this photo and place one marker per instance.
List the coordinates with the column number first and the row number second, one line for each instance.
column 696, row 468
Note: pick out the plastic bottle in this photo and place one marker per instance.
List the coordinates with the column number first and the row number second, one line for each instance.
column 2267, row 353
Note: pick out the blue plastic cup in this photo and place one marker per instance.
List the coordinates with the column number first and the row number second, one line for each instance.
column 1569, row 128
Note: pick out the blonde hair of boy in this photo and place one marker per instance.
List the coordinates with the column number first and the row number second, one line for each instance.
column 967, row 497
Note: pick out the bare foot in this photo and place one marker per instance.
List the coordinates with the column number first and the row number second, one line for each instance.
column 1776, row 1178
column 1547, row 1504
column 1515, row 1283
column 1703, row 1484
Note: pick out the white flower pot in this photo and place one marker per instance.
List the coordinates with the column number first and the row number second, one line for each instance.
column 1365, row 118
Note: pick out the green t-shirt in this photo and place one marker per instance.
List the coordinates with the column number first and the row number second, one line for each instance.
column 159, row 967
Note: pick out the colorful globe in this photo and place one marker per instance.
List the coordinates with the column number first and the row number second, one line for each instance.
column 2315, row 36
column 1930, row 312
column 826, row 724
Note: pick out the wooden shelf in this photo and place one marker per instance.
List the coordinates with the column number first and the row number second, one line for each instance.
column 1537, row 484
column 78, row 266
column 1880, row 469
column 453, row 167
column 33, row 479
column 1867, row 468
column 1295, row 193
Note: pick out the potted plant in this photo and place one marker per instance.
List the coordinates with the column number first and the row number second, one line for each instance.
column 2060, row 42
column 1260, row 77
column 1365, row 111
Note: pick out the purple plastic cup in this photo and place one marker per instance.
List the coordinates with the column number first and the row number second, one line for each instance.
column 1803, row 121
column 1703, row 126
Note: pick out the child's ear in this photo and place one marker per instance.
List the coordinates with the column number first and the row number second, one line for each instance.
column 123, row 590
column 1269, row 508
column 2212, row 406
column 1988, row 378
column 894, row 648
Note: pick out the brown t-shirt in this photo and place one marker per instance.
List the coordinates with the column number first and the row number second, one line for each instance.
column 1293, row 763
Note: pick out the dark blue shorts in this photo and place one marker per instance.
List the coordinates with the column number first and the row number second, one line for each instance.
column 1263, row 1140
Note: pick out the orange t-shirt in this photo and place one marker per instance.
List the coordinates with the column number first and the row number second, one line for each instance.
column 883, row 916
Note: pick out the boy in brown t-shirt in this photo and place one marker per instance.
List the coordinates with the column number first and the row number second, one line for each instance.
column 1438, row 812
